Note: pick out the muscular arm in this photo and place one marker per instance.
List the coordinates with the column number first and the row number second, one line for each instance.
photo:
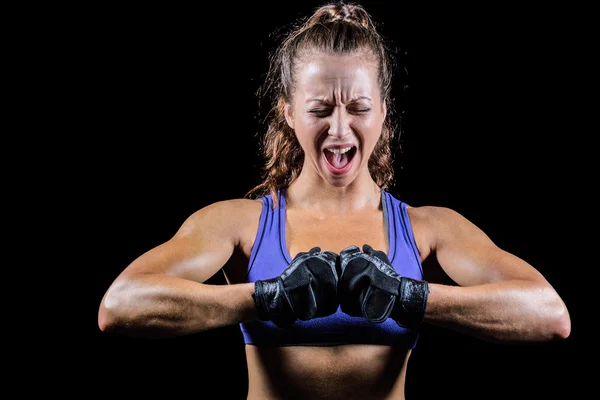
column 161, row 293
column 498, row 297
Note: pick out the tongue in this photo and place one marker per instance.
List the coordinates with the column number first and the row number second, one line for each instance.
column 337, row 160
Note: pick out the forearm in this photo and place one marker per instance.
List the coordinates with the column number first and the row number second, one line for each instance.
column 508, row 311
column 162, row 305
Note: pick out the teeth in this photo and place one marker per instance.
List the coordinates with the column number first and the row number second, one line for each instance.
column 339, row 151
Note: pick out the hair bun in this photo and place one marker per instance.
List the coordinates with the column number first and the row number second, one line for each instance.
column 341, row 12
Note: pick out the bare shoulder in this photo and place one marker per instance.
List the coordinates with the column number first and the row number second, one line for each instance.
column 231, row 217
column 204, row 242
column 436, row 225
column 436, row 217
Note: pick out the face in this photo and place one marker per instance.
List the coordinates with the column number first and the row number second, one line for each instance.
column 337, row 115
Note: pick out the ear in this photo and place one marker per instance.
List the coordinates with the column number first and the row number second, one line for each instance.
column 289, row 114
column 384, row 109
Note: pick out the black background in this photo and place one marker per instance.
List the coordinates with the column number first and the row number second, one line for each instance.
column 164, row 97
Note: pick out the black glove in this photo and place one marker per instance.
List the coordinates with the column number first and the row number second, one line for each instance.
column 306, row 289
column 369, row 287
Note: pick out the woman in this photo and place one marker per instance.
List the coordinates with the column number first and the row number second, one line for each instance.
column 329, row 275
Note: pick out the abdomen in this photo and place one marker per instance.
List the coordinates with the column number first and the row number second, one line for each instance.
column 330, row 372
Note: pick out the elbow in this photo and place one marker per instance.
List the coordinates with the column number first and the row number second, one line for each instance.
column 561, row 324
column 557, row 319
column 104, row 320
column 107, row 315
column 107, row 320
column 547, row 318
column 112, row 310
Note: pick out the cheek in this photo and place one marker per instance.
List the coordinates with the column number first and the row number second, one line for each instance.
column 375, row 119
column 371, row 127
column 307, row 130
column 312, row 123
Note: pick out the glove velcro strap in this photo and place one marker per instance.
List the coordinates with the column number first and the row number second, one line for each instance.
column 261, row 299
column 411, row 303
column 272, row 303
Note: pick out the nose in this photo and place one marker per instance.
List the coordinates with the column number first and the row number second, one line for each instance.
column 339, row 127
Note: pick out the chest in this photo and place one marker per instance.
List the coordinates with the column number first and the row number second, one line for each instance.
column 305, row 230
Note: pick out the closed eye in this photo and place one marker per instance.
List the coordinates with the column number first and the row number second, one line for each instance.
column 320, row 112
column 325, row 112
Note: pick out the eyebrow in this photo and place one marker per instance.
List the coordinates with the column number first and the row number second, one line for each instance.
column 318, row 100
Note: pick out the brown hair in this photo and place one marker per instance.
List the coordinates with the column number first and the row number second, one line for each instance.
column 336, row 28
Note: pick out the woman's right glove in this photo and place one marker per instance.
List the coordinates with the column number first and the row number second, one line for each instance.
column 369, row 287
column 306, row 289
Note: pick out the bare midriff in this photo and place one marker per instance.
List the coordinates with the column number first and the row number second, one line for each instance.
column 326, row 372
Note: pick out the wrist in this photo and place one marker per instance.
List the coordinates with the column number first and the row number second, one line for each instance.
column 271, row 302
column 263, row 298
column 409, row 310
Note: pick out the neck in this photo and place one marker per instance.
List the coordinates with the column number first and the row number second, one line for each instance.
column 360, row 195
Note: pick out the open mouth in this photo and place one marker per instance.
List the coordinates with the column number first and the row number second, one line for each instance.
column 339, row 161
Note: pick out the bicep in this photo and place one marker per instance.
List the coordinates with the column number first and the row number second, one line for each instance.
column 198, row 250
column 469, row 257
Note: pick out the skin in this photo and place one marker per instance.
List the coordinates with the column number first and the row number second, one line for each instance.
column 495, row 295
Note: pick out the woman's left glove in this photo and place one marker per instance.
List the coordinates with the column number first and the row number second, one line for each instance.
column 369, row 287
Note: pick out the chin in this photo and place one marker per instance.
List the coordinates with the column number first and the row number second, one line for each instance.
column 339, row 180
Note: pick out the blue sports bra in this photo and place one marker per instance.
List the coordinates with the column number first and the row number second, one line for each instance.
column 270, row 257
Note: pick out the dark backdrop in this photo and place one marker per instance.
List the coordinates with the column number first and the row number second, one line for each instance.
column 165, row 96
